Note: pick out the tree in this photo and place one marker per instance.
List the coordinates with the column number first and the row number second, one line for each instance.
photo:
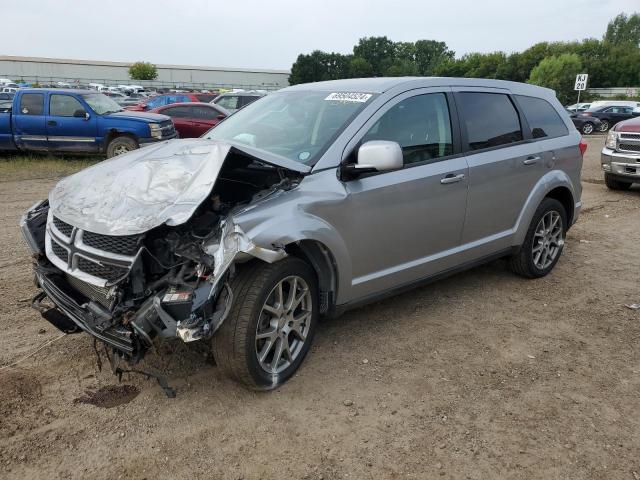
column 379, row 52
column 624, row 30
column 319, row 66
column 360, row 68
column 558, row 73
column 429, row 54
column 143, row 71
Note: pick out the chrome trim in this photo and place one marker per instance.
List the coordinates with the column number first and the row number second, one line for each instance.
column 39, row 138
column 76, row 248
column 60, row 138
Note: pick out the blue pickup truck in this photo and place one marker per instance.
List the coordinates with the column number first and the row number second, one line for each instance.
column 57, row 120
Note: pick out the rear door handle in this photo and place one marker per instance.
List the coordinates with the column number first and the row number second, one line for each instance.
column 451, row 178
column 531, row 160
column 52, row 123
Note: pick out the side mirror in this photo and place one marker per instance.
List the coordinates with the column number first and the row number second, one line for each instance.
column 377, row 156
column 80, row 113
column 221, row 117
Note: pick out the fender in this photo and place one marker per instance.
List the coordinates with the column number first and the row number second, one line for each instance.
column 550, row 181
column 300, row 226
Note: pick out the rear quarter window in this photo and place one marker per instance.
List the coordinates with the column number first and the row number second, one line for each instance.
column 543, row 119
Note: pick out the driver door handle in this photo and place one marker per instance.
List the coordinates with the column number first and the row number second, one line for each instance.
column 451, row 178
column 531, row 160
column 52, row 123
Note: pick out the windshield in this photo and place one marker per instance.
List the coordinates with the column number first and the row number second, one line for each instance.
column 295, row 125
column 101, row 104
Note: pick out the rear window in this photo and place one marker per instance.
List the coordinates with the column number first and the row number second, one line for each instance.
column 206, row 98
column 543, row 119
column 32, row 104
column 491, row 119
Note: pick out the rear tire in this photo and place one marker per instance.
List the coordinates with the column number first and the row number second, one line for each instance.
column 587, row 128
column 613, row 184
column 246, row 345
column 604, row 126
column 120, row 145
column 544, row 241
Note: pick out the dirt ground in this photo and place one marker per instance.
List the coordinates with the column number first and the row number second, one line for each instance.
column 483, row 375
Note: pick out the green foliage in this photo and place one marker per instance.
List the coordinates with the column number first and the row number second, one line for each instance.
column 624, row 30
column 558, row 73
column 611, row 62
column 143, row 71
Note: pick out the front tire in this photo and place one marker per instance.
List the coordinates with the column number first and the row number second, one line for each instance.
column 120, row 145
column 613, row 184
column 544, row 241
column 604, row 126
column 271, row 325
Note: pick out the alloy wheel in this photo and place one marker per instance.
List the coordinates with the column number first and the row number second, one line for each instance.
column 604, row 126
column 548, row 240
column 587, row 128
column 283, row 325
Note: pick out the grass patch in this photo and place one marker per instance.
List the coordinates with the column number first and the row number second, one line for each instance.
column 33, row 166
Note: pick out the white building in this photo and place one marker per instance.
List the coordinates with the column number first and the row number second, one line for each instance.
column 51, row 70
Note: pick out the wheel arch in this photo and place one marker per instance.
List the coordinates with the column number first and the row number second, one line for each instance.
column 555, row 184
column 113, row 133
column 565, row 197
column 320, row 258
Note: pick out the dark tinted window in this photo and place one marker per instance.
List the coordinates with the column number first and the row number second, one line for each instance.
column 543, row 119
column 490, row 118
column 178, row 112
column 246, row 100
column 32, row 104
column 64, row 106
column 205, row 113
column 420, row 124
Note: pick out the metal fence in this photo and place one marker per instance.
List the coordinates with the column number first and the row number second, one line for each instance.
column 153, row 84
column 615, row 91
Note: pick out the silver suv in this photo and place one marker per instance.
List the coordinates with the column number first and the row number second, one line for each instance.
column 310, row 201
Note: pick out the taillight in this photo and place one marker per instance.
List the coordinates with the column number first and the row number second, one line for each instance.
column 583, row 146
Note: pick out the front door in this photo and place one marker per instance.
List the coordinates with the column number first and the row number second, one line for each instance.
column 30, row 129
column 405, row 224
column 70, row 126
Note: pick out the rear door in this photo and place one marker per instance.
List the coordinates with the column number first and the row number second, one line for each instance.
column 504, row 165
column 70, row 125
column 29, row 122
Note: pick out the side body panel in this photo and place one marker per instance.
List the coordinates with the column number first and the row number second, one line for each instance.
column 6, row 133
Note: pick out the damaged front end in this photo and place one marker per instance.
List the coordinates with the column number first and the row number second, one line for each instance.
column 131, row 284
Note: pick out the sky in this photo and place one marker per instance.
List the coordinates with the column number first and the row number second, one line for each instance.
column 271, row 34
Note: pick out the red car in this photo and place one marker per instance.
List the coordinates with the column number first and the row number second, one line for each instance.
column 157, row 101
column 193, row 119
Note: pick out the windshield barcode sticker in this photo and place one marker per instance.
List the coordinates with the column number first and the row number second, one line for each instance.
column 349, row 97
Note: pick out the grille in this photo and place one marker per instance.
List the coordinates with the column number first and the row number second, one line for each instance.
column 630, row 147
column 97, row 294
column 63, row 227
column 167, row 128
column 123, row 245
column 108, row 272
column 60, row 252
column 630, row 136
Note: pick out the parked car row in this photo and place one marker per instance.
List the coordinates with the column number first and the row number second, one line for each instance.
column 600, row 116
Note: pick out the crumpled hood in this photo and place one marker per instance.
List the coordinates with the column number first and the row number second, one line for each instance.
column 140, row 190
